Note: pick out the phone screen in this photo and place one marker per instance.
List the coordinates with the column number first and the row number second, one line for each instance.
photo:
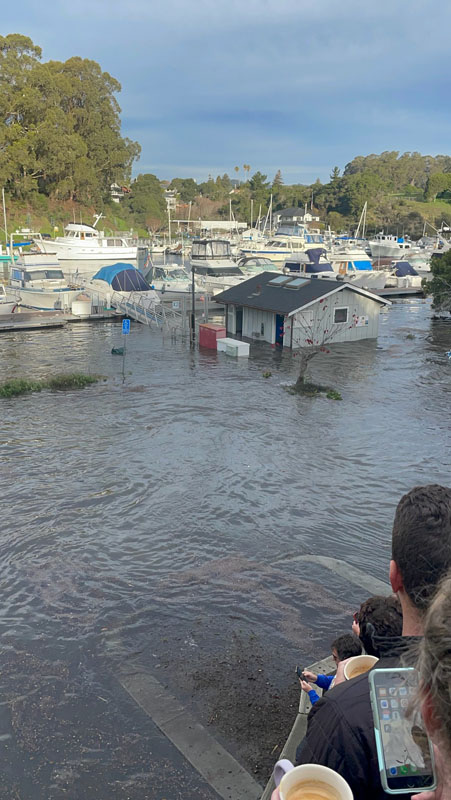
column 406, row 749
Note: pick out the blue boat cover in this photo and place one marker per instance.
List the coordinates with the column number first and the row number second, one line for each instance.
column 123, row 278
column 363, row 264
column 315, row 253
column 403, row 268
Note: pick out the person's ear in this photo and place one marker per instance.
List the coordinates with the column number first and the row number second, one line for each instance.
column 395, row 577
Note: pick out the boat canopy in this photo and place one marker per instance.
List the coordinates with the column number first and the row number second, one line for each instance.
column 123, row 278
column 210, row 248
column 403, row 268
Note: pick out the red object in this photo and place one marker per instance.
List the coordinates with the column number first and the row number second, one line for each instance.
column 209, row 334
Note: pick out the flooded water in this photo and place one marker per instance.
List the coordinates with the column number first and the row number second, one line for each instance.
column 146, row 520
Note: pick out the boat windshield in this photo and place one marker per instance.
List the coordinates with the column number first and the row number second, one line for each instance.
column 44, row 274
column 218, row 272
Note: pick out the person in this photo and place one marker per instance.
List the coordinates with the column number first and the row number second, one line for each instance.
column 379, row 621
column 340, row 732
column 434, row 667
column 343, row 647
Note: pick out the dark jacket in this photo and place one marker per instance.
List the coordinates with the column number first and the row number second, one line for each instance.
column 340, row 732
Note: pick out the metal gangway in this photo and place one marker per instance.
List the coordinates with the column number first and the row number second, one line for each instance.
column 146, row 310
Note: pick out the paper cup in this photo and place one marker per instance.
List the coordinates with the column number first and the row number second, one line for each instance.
column 296, row 776
column 358, row 665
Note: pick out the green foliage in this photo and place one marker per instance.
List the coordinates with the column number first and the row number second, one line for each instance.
column 440, row 285
column 332, row 394
column 19, row 386
column 59, row 126
column 437, row 184
column 186, row 188
column 146, row 201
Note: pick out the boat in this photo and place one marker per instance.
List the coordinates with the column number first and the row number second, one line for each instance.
column 7, row 306
column 124, row 280
column 312, row 264
column 85, row 243
column 386, row 246
column 287, row 241
column 353, row 264
column 404, row 276
column 213, row 266
column 37, row 281
column 169, row 279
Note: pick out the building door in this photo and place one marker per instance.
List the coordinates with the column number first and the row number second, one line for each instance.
column 239, row 320
column 279, row 329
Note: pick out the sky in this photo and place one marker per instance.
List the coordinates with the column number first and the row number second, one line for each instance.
column 295, row 85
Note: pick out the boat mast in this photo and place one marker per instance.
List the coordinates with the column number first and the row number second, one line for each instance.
column 4, row 216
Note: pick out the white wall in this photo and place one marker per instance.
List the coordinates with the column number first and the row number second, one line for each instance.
column 252, row 322
column 321, row 317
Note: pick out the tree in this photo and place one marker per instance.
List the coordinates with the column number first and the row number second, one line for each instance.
column 278, row 180
column 186, row 188
column 436, row 184
column 314, row 337
column 59, row 126
column 146, row 200
column 440, row 285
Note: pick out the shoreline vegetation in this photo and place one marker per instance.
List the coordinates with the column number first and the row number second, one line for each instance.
column 60, row 135
column 19, row 386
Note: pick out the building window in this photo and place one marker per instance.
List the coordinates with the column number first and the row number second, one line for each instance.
column 341, row 315
column 262, row 329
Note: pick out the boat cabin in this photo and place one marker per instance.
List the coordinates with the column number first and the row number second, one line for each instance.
column 211, row 249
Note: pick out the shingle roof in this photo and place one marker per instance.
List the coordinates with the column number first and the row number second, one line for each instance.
column 257, row 293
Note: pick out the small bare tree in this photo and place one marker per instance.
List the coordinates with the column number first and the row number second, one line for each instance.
column 313, row 335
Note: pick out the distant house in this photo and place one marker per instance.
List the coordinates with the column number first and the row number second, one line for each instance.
column 170, row 195
column 293, row 215
column 278, row 309
column 118, row 192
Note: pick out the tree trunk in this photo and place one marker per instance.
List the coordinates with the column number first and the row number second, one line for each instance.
column 305, row 356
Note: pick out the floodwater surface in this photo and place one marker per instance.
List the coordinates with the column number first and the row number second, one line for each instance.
column 146, row 521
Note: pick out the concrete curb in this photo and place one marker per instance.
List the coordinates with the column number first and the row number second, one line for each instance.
column 219, row 768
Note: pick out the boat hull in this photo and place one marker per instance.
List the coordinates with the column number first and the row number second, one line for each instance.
column 43, row 300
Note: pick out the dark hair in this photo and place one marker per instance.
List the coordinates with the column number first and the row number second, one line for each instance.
column 380, row 620
column 346, row 646
column 421, row 542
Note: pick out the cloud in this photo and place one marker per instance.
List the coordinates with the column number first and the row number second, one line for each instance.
column 222, row 81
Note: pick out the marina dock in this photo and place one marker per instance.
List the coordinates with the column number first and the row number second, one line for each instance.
column 39, row 320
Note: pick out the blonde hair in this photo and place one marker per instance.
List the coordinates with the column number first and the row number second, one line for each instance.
column 434, row 664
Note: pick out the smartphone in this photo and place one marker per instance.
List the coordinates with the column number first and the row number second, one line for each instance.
column 300, row 672
column 404, row 751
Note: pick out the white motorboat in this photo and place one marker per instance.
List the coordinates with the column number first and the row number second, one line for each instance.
column 124, row 280
column 404, row 276
column 287, row 241
column 386, row 246
column 213, row 265
column 7, row 306
column 170, row 279
column 85, row 243
column 311, row 264
column 352, row 264
column 37, row 281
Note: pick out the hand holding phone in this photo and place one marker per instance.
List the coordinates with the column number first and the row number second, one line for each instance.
column 404, row 751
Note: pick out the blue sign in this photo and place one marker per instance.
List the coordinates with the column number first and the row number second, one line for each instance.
column 125, row 326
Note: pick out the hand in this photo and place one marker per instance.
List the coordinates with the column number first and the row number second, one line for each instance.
column 310, row 676
column 356, row 628
column 275, row 795
column 305, row 686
